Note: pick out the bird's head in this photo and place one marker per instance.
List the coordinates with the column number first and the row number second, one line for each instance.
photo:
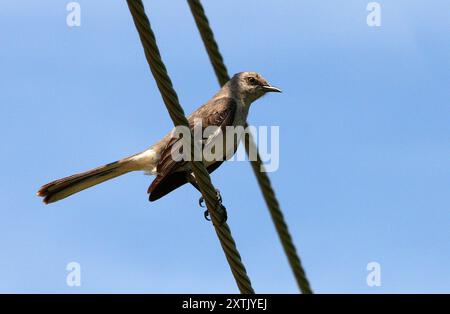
column 251, row 86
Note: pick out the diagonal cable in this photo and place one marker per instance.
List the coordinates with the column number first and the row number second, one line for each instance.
column 178, row 117
column 263, row 180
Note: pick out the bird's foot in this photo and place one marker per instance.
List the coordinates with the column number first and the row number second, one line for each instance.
column 224, row 214
column 201, row 200
column 223, row 210
column 206, row 215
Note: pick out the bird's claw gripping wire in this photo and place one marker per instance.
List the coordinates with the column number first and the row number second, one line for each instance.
column 224, row 215
column 201, row 200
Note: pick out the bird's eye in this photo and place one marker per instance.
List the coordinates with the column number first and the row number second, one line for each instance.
column 252, row 80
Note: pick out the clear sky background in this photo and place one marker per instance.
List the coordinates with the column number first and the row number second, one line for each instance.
column 364, row 152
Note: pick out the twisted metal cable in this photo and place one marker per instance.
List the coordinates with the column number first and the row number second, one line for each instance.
column 263, row 180
column 278, row 217
column 176, row 113
column 208, row 40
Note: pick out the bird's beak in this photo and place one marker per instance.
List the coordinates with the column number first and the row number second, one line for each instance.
column 269, row 88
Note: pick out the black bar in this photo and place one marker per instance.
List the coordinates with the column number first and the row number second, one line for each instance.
column 225, row 303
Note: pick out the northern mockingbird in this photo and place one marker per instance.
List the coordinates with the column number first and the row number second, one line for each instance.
column 229, row 107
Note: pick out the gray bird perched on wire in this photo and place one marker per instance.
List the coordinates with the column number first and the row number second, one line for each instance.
column 228, row 108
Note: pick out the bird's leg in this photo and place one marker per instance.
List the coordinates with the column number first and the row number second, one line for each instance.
column 223, row 211
column 201, row 201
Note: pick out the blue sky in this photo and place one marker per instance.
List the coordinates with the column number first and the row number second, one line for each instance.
column 364, row 146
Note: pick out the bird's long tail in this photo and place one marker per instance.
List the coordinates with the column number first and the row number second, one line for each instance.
column 62, row 188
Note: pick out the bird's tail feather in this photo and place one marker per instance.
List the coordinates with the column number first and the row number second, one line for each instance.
column 62, row 188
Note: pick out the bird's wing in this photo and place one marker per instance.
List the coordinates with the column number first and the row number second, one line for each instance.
column 220, row 113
